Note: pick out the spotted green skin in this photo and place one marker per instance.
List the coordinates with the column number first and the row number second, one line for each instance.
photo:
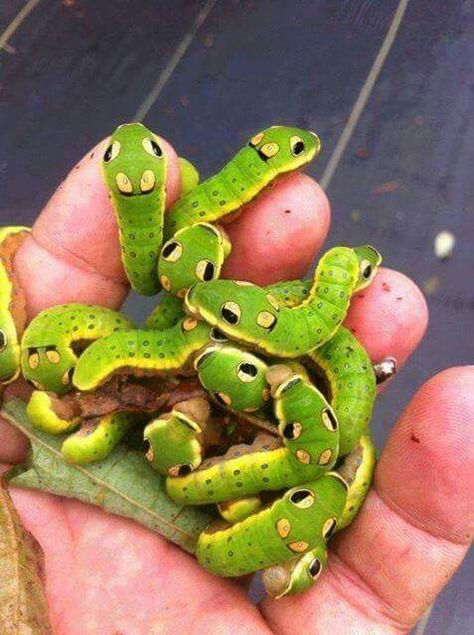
column 48, row 358
column 166, row 314
column 189, row 175
column 194, row 254
column 270, row 153
column 96, row 439
column 153, row 352
column 42, row 415
column 233, row 377
column 295, row 576
column 309, row 431
column 135, row 169
column 278, row 533
column 174, row 443
column 10, row 292
column 249, row 314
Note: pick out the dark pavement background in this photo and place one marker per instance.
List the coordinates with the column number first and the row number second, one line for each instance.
column 73, row 70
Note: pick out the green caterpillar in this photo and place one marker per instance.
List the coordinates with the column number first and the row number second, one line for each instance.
column 303, row 518
column 135, row 169
column 53, row 339
column 145, row 352
column 249, row 314
column 94, row 440
column 309, row 430
column 295, row 576
column 166, row 314
column 12, row 305
column 269, row 153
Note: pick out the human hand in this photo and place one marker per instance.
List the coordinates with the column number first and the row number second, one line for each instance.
column 107, row 575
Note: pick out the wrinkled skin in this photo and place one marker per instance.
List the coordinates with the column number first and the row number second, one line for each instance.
column 111, row 576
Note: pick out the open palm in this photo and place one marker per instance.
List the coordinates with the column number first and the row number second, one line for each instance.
column 106, row 575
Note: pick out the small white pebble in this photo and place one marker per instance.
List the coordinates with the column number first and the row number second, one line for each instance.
column 444, row 244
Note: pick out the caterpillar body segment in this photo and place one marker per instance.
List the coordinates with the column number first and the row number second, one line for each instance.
column 96, row 438
column 135, row 171
column 12, row 304
column 249, row 314
column 166, row 314
column 303, row 518
column 234, row 511
column 189, row 176
column 309, row 431
column 49, row 356
column 141, row 352
column 270, row 153
column 44, row 412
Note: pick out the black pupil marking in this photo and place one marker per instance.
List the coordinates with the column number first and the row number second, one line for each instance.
column 367, row 271
column 168, row 249
column 203, row 358
column 332, row 418
column 184, row 469
column 314, row 568
column 289, row 431
column 3, row 340
column 299, row 496
column 298, row 147
column 262, row 156
column 248, row 369
column 218, row 335
column 70, row 373
column 291, row 383
column 229, row 316
column 156, row 148
column 108, row 154
column 208, row 272
column 331, row 529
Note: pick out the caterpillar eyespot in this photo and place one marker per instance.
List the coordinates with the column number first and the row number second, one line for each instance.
column 180, row 470
column 247, row 372
column 302, row 498
column 297, row 145
column 112, row 152
column 152, row 147
column 231, row 313
column 172, row 251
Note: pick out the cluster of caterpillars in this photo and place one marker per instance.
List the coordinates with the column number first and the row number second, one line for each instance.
column 273, row 424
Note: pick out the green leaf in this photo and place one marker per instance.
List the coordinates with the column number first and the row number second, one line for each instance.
column 123, row 484
column 23, row 605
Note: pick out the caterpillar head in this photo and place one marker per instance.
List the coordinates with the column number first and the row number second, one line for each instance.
column 134, row 161
column 369, row 262
column 284, row 148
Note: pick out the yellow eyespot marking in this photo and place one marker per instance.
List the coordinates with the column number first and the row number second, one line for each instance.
column 147, row 182
column 53, row 356
column 266, row 394
column 302, row 498
column 329, row 420
column 174, row 471
column 256, row 139
column 273, row 302
column 325, row 457
column 172, row 251
column 231, row 313
column 303, row 456
column 151, row 147
column 283, row 527
column 297, row 145
column 166, row 282
column 181, row 293
column 66, row 378
column 329, row 527
column 123, row 183
column 189, row 324
column 150, row 455
column 299, row 546
column 247, row 372
column 296, row 430
column 205, row 270
column 366, row 269
column 34, row 361
column 270, row 150
column 265, row 319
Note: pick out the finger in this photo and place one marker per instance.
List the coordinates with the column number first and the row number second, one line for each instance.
column 277, row 236
column 390, row 317
column 73, row 254
column 413, row 530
